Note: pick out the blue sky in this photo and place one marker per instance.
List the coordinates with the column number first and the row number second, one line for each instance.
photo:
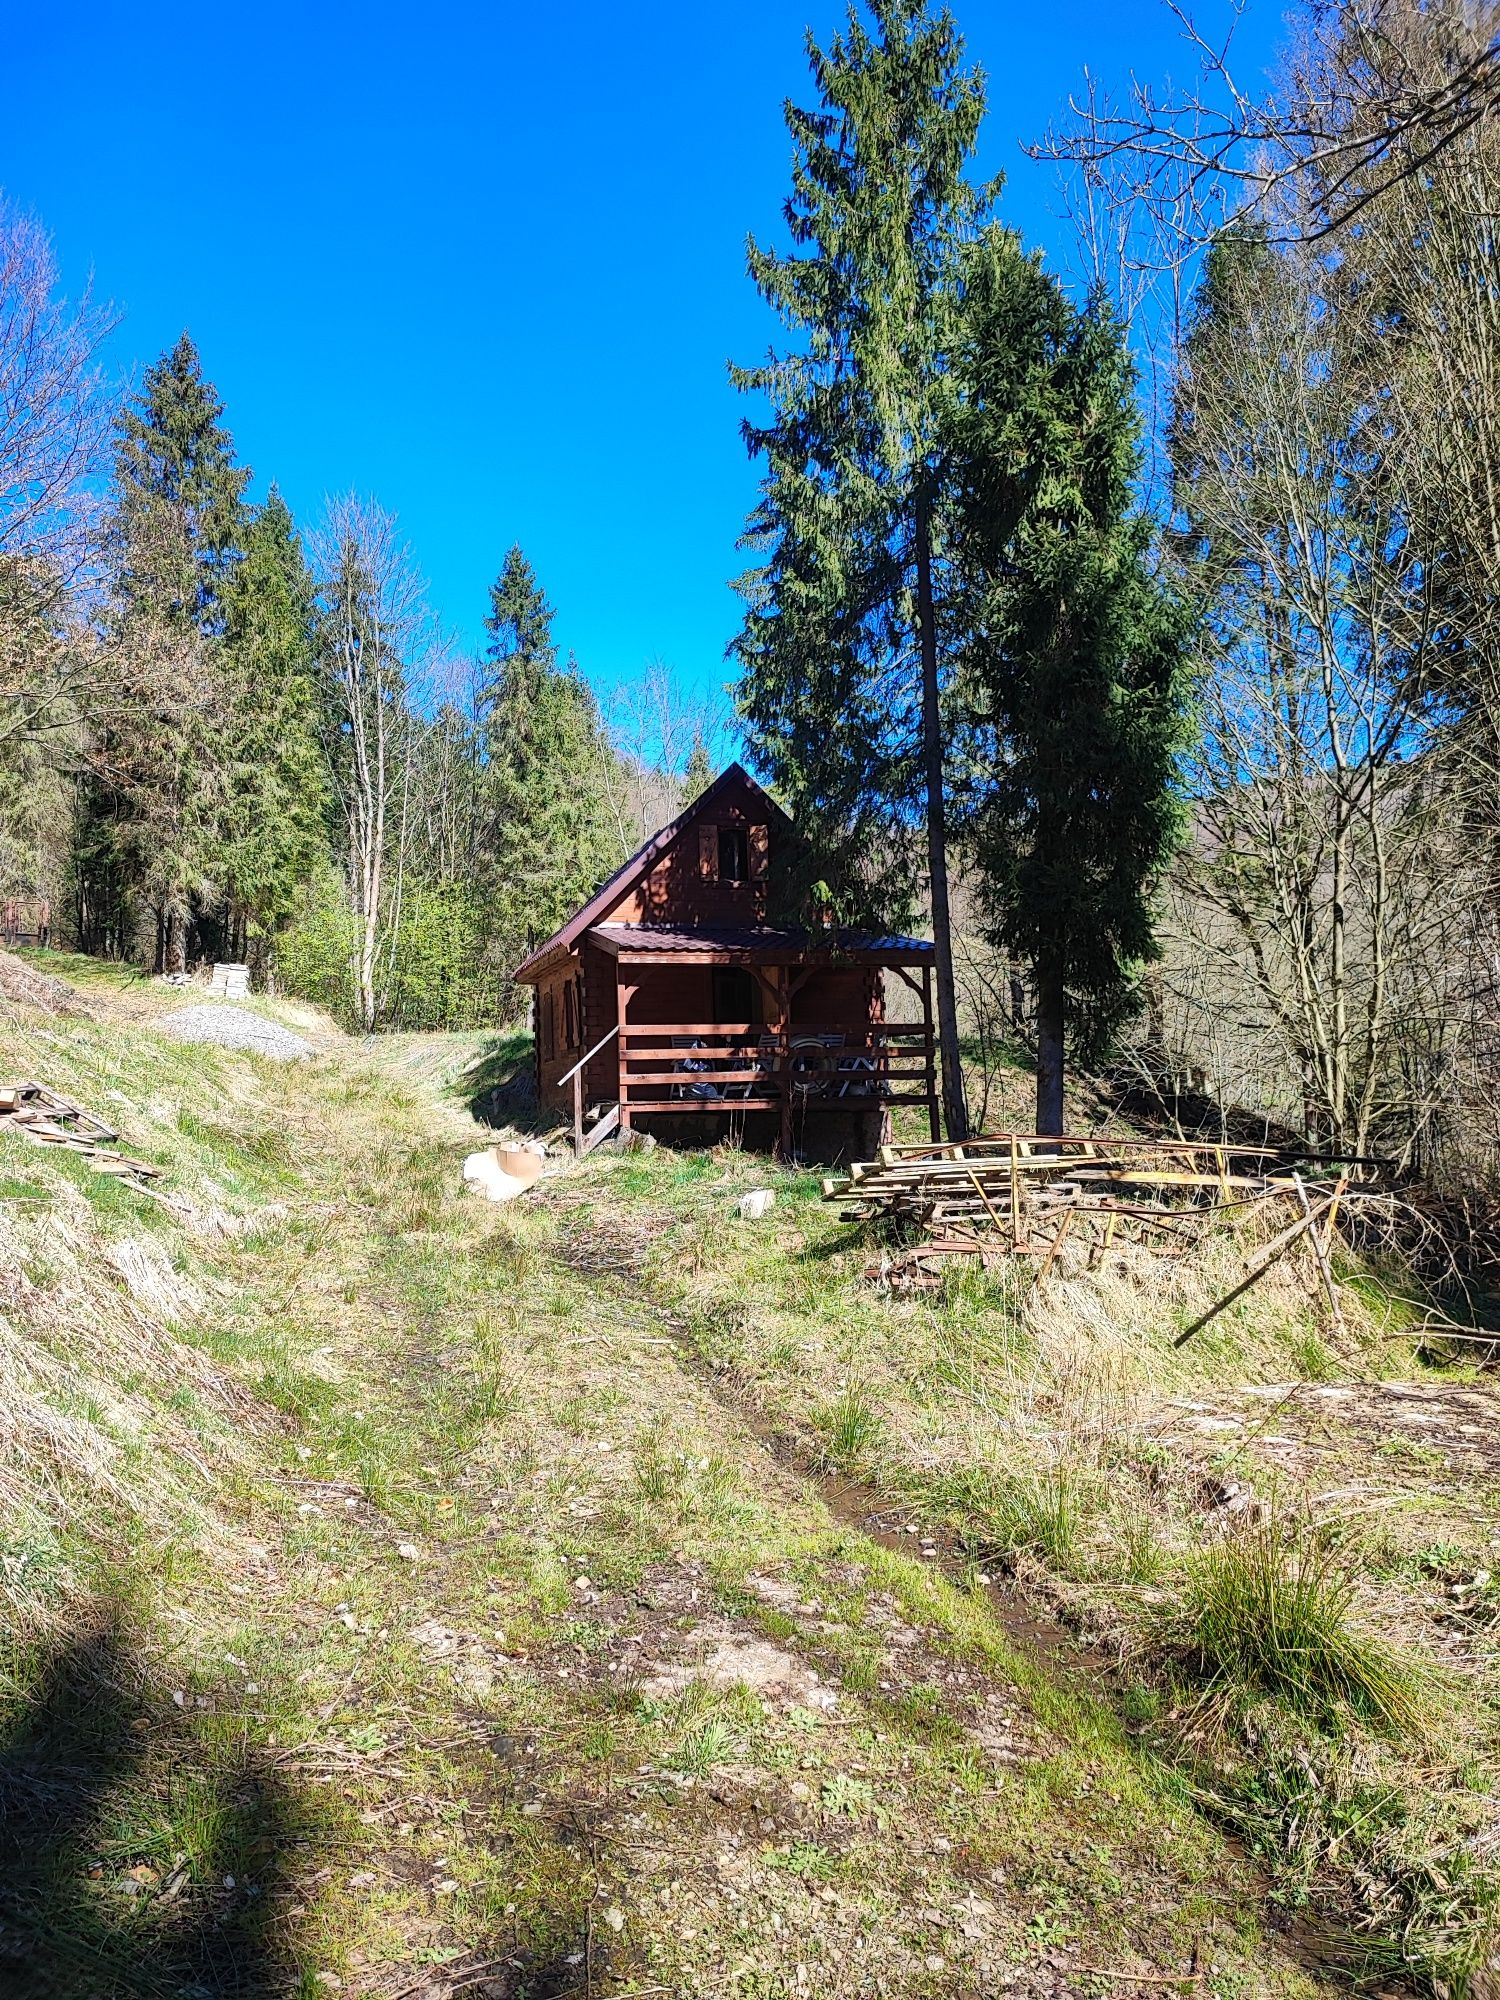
column 487, row 263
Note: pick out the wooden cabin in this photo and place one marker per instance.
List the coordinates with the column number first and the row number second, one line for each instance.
column 671, row 1001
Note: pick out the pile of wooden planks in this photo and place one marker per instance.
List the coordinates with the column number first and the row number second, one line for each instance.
column 1023, row 1194
column 52, row 1120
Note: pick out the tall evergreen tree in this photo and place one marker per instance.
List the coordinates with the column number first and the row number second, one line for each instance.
column 275, row 806
column 1075, row 661
column 547, row 755
column 842, row 646
column 179, row 496
column 150, row 810
column 519, row 620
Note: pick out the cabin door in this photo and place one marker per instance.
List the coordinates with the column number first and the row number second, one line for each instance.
column 736, row 996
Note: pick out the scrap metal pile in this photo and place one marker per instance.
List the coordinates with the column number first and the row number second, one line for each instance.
column 1020, row 1194
column 52, row 1120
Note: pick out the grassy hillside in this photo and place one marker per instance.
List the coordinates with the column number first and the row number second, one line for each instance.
column 406, row 1596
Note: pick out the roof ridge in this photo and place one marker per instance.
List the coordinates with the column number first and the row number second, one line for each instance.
column 649, row 852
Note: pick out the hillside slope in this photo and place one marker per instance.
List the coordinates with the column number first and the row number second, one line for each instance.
column 409, row 1597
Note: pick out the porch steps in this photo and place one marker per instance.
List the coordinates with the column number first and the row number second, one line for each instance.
column 599, row 1130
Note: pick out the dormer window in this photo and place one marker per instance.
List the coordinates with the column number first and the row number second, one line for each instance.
column 734, row 854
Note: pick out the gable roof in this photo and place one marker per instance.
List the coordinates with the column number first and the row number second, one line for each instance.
column 639, row 865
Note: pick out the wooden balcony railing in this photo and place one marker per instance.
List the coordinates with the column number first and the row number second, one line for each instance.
column 708, row 1066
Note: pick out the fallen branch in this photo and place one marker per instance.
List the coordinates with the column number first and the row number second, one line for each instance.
column 1275, row 1250
column 1325, row 1269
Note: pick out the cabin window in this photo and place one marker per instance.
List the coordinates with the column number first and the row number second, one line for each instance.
column 570, row 1016
column 734, row 854
column 736, row 995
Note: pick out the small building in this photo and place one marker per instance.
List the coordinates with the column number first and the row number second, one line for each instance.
column 674, row 1002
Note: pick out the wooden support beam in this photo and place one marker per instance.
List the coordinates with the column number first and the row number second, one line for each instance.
column 934, row 1116
column 784, row 1061
column 625, row 992
column 766, row 975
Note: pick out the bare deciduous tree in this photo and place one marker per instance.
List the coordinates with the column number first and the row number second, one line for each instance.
column 655, row 724
column 55, row 415
column 376, row 645
column 1357, row 112
column 1319, row 804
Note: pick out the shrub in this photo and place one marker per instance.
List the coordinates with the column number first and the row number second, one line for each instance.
column 314, row 955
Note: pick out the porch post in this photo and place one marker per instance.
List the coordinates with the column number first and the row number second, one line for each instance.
column 784, row 1056
column 934, row 1121
column 624, row 993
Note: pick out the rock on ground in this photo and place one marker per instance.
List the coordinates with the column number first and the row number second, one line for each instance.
column 236, row 1028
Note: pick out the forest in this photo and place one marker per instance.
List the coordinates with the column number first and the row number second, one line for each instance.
column 1130, row 626
column 226, row 739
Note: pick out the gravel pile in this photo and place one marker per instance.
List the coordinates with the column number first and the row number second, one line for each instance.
column 235, row 1028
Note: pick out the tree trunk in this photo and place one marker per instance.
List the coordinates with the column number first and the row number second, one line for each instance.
column 1017, row 998
column 1154, row 988
column 176, row 952
column 955, row 1112
column 1049, row 1048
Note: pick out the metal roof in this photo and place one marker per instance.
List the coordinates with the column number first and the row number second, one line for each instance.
column 759, row 941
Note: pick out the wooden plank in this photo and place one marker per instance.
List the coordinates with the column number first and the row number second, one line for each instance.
column 857, row 1034
column 783, row 1026
column 934, row 1111
column 600, row 1131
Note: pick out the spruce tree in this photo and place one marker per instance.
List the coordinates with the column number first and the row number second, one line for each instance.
column 275, row 811
column 179, row 496
column 546, row 755
column 151, row 815
column 698, row 772
column 844, row 636
column 1075, row 661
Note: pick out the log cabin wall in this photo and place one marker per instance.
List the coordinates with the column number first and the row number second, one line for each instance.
column 667, row 993
column 836, row 997
column 695, row 880
column 559, row 1021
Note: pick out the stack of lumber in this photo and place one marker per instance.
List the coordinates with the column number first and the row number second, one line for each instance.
column 1019, row 1193
column 52, row 1120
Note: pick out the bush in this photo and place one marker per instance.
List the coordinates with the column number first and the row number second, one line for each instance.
column 435, row 967
column 314, row 955
column 440, row 972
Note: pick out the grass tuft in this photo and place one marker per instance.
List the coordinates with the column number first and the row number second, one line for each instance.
column 1274, row 1614
column 851, row 1427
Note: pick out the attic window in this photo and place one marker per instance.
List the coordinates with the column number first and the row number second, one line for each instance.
column 734, row 854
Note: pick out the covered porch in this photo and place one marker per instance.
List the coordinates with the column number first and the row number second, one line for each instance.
column 785, row 1028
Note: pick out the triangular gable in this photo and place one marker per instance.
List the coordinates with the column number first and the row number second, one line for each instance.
column 639, row 866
